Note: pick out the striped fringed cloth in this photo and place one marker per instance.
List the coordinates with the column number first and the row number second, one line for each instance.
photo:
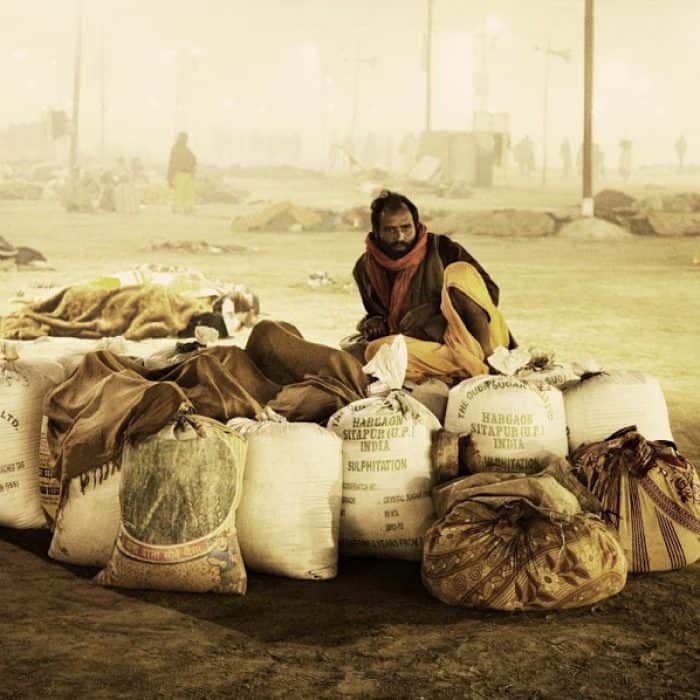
column 650, row 493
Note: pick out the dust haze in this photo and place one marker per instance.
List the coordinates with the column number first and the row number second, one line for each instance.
column 298, row 113
column 232, row 72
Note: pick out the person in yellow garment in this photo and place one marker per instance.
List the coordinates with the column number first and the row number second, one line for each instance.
column 428, row 288
column 181, row 168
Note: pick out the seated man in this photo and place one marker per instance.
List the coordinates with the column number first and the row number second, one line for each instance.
column 428, row 288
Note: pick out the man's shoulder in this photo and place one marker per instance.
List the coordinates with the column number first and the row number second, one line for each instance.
column 359, row 266
column 446, row 247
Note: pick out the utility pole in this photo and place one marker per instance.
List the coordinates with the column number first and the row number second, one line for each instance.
column 180, row 121
column 371, row 61
column 102, row 89
column 429, row 68
column 355, row 95
column 587, row 200
column 483, row 79
column 76, row 87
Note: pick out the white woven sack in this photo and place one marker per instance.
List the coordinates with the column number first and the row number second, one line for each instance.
column 600, row 405
column 387, row 475
column 433, row 394
column 515, row 425
column 68, row 352
column 288, row 518
column 23, row 386
column 88, row 518
column 557, row 375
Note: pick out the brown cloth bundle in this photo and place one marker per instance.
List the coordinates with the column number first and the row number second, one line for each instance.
column 85, row 311
column 109, row 398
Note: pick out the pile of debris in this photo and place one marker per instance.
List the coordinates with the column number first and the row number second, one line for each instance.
column 505, row 222
column 21, row 257
column 212, row 189
column 196, row 247
column 285, row 216
column 661, row 215
column 616, row 215
column 20, row 189
column 593, row 229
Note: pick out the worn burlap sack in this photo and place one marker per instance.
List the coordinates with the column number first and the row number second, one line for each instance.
column 518, row 542
column 650, row 492
column 178, row 498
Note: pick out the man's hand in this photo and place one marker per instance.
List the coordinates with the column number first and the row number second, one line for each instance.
column 374, row 327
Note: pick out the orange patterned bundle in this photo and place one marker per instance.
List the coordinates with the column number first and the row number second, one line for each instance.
column 515, row 542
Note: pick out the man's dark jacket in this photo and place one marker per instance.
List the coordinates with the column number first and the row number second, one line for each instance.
column 424, row 320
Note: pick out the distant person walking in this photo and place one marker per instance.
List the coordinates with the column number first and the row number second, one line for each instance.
column 524, row 154
column 681, row 147
column 181, row 170
column 565, row 154
column 624, row 165
column 125, row 200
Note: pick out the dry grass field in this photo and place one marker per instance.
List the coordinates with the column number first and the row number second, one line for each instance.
column 374, row 631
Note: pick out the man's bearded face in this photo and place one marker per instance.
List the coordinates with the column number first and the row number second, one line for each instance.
column 397, row 232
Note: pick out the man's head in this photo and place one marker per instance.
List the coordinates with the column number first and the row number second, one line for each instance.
column 395, row 223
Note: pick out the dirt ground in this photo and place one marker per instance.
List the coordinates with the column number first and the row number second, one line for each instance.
column 373, row 631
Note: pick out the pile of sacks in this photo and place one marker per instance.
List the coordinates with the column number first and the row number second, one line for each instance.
column 522, row 490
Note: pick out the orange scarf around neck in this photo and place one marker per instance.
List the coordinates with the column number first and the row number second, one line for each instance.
column 394, row 297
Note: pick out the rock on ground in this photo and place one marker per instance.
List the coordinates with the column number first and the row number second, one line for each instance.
column 681, row 203
column 666, row 223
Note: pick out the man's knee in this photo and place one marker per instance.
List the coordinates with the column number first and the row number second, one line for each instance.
column 473, row 315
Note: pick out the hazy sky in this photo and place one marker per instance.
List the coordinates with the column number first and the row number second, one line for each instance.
column 292, row 64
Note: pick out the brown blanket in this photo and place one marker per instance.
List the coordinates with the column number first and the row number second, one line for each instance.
column 85, row 311
column 110, row 399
